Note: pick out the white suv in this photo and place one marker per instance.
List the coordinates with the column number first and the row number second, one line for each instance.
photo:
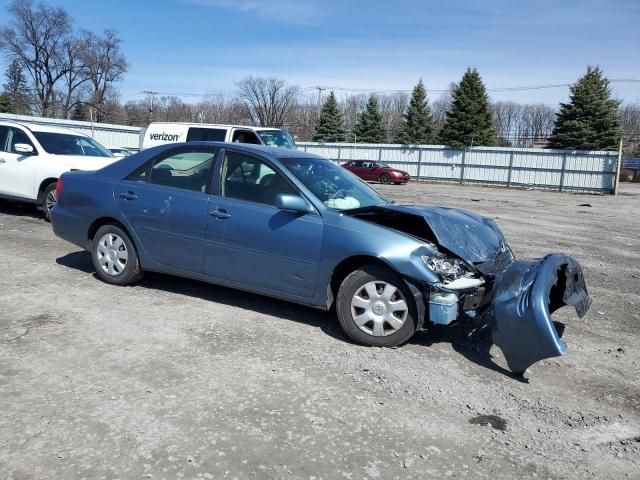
column 32, row 158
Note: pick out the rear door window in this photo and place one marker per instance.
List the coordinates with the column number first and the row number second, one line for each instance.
column 187, row 169
column 198, row 134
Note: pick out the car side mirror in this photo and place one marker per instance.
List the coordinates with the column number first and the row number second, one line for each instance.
column 23, row 148
column 294, row 203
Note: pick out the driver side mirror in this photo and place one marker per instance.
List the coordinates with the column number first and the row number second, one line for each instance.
column 24, row 149
column 293, row 203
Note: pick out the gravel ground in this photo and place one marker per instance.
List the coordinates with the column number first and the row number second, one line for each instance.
column 178, row 379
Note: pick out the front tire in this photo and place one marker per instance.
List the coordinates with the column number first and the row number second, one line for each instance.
column 375, row 307
column 49, row 199
column 114, row 256
column 386, row 179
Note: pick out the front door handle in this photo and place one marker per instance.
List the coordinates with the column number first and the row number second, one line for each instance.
column 220, row 213
column 128, row 195
column 3, row 161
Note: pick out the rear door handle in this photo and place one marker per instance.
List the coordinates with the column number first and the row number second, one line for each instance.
column 219, row 213
column 129, row 195
column 3, row 161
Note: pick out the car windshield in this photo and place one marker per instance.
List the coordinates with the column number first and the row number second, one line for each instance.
column 336, row 187
column 384, row 165
column 277, row 138
column 66, row 144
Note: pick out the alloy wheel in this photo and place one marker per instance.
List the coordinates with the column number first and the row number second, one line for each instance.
column 50, row 201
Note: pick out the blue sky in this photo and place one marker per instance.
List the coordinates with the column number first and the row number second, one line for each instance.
column 205, row 46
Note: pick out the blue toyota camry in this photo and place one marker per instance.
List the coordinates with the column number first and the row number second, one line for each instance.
column 296, row 226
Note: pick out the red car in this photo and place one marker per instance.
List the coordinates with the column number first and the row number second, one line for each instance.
column 376, row 172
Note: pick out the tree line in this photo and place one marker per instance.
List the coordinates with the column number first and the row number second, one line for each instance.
column 591, row 120
column 56, row 70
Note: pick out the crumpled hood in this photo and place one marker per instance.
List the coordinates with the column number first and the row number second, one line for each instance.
column 471, row 237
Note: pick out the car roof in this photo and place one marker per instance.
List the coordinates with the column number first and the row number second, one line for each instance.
column 35, row 127
column 271, row 152
column 220, row 125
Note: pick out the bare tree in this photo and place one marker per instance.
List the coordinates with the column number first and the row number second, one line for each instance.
column 105, row 65
column 522, row 125
column 439, row 108
column 221, row 109
column 392, row 108
column 113, row 110
column 75, row 72
column 36, row 37
column 137, row 113
column 630, row 121
column 269, row 101
column 506, row 118
column 536, row 124
column 352, row 106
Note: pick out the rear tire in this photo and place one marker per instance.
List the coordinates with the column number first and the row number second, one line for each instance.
column 114, row 256
column 375, row 307
column 49, row 199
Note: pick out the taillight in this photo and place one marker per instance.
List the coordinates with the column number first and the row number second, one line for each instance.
column 59, row 188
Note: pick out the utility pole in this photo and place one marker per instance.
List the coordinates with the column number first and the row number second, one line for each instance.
column 320, row 90
column 91, row 119
column 153, row 97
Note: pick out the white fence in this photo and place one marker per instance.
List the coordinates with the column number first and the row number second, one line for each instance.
column 107, row 134
column 577, row 171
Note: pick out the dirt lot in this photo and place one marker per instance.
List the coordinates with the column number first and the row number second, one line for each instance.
column 178, row 379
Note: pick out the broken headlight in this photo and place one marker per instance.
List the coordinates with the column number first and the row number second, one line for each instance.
column 447, row 268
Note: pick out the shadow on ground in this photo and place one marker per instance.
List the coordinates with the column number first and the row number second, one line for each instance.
column 19, row 209
column 470, row 339
column 467, row 338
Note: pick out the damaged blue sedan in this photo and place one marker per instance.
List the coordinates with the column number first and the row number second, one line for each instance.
column 295, row 226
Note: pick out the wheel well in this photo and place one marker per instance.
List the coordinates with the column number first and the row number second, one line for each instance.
column 105, row 221
column 44, row 184
column 343, row 269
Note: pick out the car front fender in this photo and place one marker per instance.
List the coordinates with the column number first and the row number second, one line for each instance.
column 524, row 296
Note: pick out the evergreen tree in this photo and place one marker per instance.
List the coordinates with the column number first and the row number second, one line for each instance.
column 468, row 120
column 16, row 89
column 330, row 127
column 590, row 120
column 417, row 126
column 370, row 127
column 5, row 103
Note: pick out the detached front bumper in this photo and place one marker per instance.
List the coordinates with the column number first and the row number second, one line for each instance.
column 523, row 297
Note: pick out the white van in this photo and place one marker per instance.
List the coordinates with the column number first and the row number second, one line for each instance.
column 160, row 133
